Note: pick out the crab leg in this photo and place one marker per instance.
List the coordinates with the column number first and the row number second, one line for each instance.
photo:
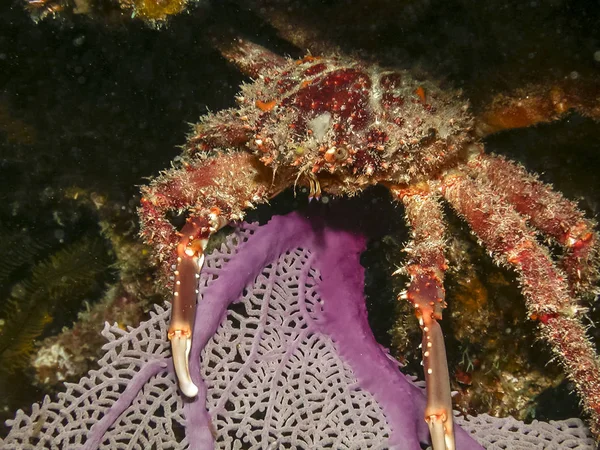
column 216, row 191
column 505, row 233
column 426, row 267
column 547, row 211
column 538, row 104
column 252, row 59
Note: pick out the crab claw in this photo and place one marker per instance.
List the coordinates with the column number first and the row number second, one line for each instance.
column 190, row 258
column 438, row 412
column 440, row 439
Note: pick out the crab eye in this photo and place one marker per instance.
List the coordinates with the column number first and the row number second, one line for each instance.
column 341, row 153
column 336, row 154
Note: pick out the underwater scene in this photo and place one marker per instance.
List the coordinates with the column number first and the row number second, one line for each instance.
column 299, row 224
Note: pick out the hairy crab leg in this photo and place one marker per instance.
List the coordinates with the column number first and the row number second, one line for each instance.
column 549, row 212
column 224, row 129
column 215, row 190
column 539, row 103
column 426, row 267
column 252, row 59
column 505, row 233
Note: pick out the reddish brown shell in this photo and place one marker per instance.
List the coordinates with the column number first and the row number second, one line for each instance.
column 335, row 115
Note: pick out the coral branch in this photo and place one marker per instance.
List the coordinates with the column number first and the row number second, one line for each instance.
column 505, row 233
column 134, row 386
column 343, row 315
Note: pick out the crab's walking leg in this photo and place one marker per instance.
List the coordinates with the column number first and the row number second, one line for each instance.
column 215, row 191
column 426, row 267
column 506, row 234
column 252, row 59
column 539, row 103
column 547, row 211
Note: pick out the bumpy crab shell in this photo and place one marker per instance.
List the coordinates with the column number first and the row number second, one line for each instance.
column 338, row 124
column 351, row 124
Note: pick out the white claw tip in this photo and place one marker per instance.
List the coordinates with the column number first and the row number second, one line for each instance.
column 188, row 389
column 180, row 348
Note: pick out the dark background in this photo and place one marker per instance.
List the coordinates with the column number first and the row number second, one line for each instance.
column 101, row 105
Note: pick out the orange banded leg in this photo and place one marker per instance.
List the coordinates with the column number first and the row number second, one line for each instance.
column 438, row 412
column 505, row 233
column 426, row 267
column 539, row 103
column 547, row 211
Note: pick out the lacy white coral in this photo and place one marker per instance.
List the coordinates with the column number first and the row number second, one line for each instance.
column 273, row 376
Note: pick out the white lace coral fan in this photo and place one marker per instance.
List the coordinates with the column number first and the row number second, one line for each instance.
column 291, row 364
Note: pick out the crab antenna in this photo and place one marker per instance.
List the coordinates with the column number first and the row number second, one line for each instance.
column 190, row 258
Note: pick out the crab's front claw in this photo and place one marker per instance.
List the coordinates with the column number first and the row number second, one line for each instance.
column 190, row 258
column 440, row 438
column 438, row 412
column 426, row 292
